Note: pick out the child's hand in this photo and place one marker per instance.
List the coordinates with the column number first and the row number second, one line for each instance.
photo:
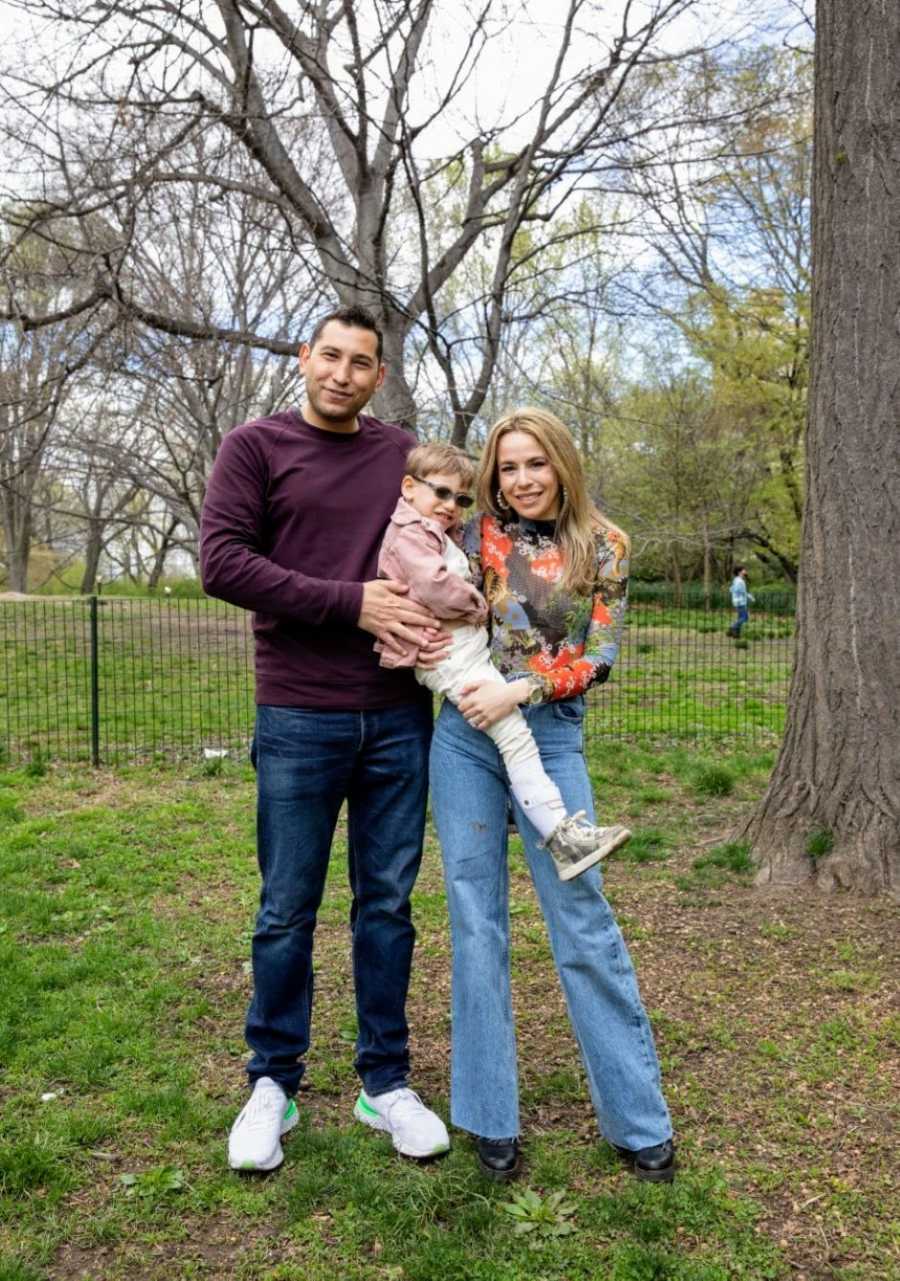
column 434, row 647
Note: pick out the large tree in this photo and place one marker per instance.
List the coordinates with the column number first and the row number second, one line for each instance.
column 832, row 810
column 39, row 369
column 107, row 125
column 730, row 272
column 682, row 474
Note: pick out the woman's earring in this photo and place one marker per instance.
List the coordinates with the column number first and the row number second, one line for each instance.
column 501, row 501
column 562, row 495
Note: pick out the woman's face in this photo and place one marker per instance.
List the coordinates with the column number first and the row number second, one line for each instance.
column 528, row 480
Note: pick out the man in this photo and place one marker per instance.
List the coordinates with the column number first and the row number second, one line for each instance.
column 292, row 522
column 740, row 598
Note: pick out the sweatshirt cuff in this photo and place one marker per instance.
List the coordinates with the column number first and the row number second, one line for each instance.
column 347, row 603
column 536, row 693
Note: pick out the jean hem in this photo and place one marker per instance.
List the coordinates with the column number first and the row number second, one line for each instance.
column 290, row 1086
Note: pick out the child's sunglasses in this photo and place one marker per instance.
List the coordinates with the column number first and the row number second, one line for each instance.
column 446, row 495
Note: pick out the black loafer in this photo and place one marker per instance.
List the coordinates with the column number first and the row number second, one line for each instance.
column 498, row 1158
column 651, row 1165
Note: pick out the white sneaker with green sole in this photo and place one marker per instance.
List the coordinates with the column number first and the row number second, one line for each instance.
column 414, row 1129
column 255, row 1139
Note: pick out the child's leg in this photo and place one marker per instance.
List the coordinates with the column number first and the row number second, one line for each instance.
column 529, row 782
column 469, row 661
column 574, row 844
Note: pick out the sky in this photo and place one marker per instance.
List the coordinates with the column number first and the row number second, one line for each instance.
column 517, row 60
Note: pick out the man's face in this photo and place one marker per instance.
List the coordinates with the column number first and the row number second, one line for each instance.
column 342, row 373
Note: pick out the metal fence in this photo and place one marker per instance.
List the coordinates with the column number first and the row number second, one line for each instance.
column 121, row 679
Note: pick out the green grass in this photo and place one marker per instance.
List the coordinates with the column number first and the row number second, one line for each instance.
column 128, row 903
column 675, row 682
column 710, row 779
column 647, row 845
column 734, row 856
column 819, row 843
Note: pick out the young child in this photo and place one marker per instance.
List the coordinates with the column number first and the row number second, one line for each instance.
column 420, row 548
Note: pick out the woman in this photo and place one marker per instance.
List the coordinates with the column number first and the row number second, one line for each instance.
column 554, row 574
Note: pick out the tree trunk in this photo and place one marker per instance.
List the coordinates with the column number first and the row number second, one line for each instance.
column 17, row 568
column 92, row 552
column 17, row 534
column 394, row 401
column 766, row 551
column 837, row 778
column 678, row 600
column 162, row 552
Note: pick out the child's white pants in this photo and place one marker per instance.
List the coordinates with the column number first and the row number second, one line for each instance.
column 469, row 661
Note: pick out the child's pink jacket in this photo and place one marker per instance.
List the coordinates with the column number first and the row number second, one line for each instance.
column 412, row 552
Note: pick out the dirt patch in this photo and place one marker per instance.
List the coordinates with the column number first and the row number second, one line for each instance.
column 208, row 1248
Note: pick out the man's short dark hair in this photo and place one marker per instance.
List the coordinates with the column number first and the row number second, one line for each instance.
column 353, row 318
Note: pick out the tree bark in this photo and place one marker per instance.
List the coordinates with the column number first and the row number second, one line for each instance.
column 162, row 552
column 394, row 401
column 839, row 767
column 92, row 552
column 17, row 564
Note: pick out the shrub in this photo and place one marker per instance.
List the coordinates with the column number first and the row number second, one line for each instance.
column 37, row 766
column 733, row 856
column 647, row 846
column 820, row 843
column 713, row 780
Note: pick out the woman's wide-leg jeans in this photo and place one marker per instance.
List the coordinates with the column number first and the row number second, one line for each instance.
column 469, row 796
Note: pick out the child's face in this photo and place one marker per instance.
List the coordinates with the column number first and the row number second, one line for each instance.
column 421, row 495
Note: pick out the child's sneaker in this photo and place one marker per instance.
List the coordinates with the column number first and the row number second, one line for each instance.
column 255, row 1139
column 577, row 845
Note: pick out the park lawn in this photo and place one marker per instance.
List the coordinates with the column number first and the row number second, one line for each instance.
column 128, row 902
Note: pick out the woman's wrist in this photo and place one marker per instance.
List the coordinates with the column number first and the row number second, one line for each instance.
column 522, row 690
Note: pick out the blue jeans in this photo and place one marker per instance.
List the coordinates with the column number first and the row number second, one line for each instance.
column 308, row 763
column 743, row 616
column 469, row 796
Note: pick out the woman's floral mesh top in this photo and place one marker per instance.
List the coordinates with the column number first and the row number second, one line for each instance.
column 563, row 643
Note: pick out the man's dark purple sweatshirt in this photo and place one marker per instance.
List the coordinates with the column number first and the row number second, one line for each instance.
column 291, row 527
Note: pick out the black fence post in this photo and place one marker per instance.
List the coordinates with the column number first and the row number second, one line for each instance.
column 95, row 683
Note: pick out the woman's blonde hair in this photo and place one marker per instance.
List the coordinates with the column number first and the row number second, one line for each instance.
column 578, row 521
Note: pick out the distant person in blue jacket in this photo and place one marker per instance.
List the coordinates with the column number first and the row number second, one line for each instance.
column 740, row 599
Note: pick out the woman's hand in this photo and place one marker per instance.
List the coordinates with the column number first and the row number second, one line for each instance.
column 486, row 702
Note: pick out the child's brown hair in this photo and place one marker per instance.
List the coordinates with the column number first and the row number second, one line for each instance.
column 424, row 460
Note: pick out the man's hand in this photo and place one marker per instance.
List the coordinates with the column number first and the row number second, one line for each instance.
column 386, row 612
column 486, row 702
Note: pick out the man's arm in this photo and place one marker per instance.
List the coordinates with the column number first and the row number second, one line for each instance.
column 232, row 564
column 233, row 567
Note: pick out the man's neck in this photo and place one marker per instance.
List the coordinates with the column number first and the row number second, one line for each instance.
column 339, row 427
